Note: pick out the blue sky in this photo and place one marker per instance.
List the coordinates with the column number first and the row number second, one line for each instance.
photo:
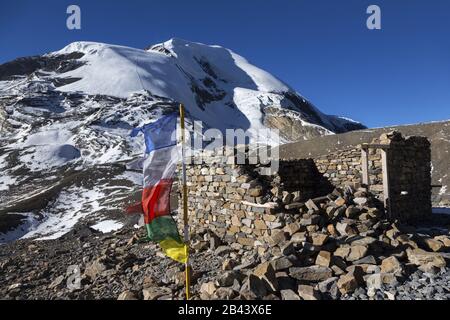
column 397, row 75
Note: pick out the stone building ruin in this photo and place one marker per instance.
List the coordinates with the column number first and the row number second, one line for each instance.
column 240, row 205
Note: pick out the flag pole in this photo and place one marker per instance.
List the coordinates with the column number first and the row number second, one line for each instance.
column 185, row 204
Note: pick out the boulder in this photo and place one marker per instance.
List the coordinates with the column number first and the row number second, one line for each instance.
column 433, row 245
column 391, row 265
column 256, row 286
column 425, row 260
column 311, row 205
column 266, row 273
column 311, row 273
column 356, row 252
column 323, row 259
column 298, row 237
column 153, row 293
column 127, row 295
column 276, row 237
column 319, row 239
column 308, row 292
column 281, row 263
column 445, row 240
column 95, row 268
column 344, row 229
column 289, row 294
column 347, row 283
column 327, row 285
column 352, row 212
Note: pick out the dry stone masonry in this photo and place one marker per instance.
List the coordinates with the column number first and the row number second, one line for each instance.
column 239, row 204
column 325, row 228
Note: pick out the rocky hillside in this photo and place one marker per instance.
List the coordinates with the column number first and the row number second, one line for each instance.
column 437, row 132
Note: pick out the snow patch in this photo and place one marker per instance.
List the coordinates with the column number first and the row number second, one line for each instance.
column 106, row 226
column 39, row 158
column 70, row 207
column 6, row 181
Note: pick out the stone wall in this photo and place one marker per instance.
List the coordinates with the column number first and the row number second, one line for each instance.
column 343, row 168
column 409, row 172
column 242, row 206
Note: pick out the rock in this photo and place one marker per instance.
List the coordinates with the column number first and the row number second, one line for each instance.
column 200, row 245
column 339, row 201
column 225, row 293
column 356, row 252
column 360, row 193
column 323, row 259
column 342, row 252
column 227, row 279
column 207, row 289
column 308, row 292
column 357, row 272
column 256, row 286
column 148, row 281
column 373, row 282
column 284, row 281
column 393, row 233
column 266, row 273
column 311, row 273
column 235, row 221
column 281, row 263
column 311, row 205
column 260, row 225
column 433, row 244
column 391, row 265
column 294, row 205
column 363, row 241
column 361, row 201
column 248, row 242
column 298, row 237
column 292, row 228
column 289, row 294
column 95, row 268
column 56, row 282
column 390, row 295
column 287, row 248
column 126, row 295
column 228, row 264
column 153, row 293
column 352, row 212
column 347, row 283
column 319, row 239
column 445, row 240
column 255, row 192
column 214, row 242
column 223, row 250
column 332, row 230
column 287, row 197
column 425, row 260
column 326, row 285
column 344, row 229
column 313, row 220
column 389, row 278
column 276, row 237
column 366, row 260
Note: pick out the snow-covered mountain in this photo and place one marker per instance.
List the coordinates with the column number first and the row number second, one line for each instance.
column 65, row 119
column 217, row 85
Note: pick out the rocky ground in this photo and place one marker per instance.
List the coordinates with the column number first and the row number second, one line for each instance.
column 336, row 247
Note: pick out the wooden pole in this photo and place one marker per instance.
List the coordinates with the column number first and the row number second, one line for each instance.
column 185, row 205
